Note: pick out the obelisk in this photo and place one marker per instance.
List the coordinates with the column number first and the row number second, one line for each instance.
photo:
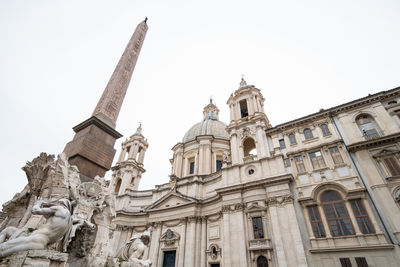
column 92, row 148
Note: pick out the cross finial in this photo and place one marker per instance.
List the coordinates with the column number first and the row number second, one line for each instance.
column 211, row 100
column 242, row 82
column 145, row 19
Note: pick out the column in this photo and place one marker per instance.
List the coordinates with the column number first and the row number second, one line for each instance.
column 226, row 260
column 190, row 242
column 237, row 109
column 279, row 247
column 182, row 241
column 214, row 162
column 260, row 142
column 185, row 167
column 200, row 159
column 203, row 246
column 155, row 243
column 198, row 241
column 208, row 157
column 238, row 238
column 133, row 151
column 196, row 164
column 122, row 155
column 141, row 156
column 234, row 149
column 250, row 108
column 231, row 110
column 179, row 171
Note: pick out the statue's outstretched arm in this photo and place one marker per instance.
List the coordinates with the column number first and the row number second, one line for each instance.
column 38, row 209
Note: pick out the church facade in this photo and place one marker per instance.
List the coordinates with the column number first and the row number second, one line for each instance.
column 321, row 190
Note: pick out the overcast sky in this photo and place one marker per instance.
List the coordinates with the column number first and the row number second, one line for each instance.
column 56, row 58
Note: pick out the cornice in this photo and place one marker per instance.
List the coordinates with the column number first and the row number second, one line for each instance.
column 384, row 140
column 370, row 99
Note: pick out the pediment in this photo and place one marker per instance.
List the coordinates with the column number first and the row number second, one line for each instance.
column 386, row 152
column 172, row 199
column 254, row 206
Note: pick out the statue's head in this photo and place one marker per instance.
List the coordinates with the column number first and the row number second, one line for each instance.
column 145, row 237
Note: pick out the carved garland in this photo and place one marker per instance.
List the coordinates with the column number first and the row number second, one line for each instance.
column 233, row 208
column 279, row 200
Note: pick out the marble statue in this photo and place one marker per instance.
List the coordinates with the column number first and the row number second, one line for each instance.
column 58, row 222
column 134, row 250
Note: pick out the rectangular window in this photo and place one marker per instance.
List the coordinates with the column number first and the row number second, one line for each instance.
column 169, row 258
column 335, row 154
column 325, row 130
column 361, row 262
column 258, row 228
column 218, row 164
column 345, row 262
column 317, row 160
column 362, row 217
column 286, row 162
column 282, row 143
column 191, row 168
column 370, row 134
column 299, row 164
column 316, row 222
column 292, row 139
column 308, row 134
column 392, row 164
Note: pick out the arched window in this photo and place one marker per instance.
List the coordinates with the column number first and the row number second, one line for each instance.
column 368, row 126
column 307, row 134
column 243, row 108
column 249, row 147
column 325, row 130
column 117, row 186
column 262, row 262
column 336, row 214
column 292, row 139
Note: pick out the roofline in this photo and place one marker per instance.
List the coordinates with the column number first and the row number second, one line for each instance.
column 338, row 109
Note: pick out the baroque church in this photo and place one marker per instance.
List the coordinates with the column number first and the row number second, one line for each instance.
column 321, row 190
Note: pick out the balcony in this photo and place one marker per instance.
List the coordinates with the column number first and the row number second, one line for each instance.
column 249, row 158
column 260, row 244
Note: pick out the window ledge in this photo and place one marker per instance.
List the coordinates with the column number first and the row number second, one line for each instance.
column 321, row 169
column 341, row 165
column 306, row 141
column 393, row 178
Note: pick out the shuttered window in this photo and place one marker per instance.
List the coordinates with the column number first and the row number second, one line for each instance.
column 392, row 165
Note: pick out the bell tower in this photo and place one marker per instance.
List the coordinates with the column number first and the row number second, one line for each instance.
column 129, row 168
column 248, row 124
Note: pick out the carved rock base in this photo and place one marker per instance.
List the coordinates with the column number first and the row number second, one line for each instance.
column 36, row 258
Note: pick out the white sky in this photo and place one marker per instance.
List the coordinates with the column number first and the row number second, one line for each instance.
column 56, row 58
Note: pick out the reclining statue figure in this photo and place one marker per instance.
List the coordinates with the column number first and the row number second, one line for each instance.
column 58, row 222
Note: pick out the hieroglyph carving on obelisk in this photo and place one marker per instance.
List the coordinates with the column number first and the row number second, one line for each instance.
column 111, row 101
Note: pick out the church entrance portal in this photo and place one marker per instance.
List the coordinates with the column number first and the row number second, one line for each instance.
column 169, row 258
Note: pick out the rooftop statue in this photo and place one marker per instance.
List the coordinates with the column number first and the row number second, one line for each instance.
column 58, row 222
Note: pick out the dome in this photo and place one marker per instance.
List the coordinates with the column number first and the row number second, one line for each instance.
column 209, row 126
